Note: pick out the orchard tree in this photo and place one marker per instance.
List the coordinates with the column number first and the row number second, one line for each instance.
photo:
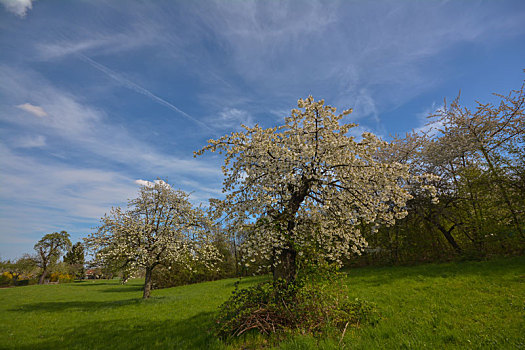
column 425, row 155
column 492, row 136
column 478, row 154
column 159, row 225
column 308, row 186
column 49, row 249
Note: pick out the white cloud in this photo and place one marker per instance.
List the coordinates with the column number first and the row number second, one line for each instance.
column 282, row 113
column 285, row 50
column 18, row 7
column 363, row 105
column 144, row 183
column 97, row 33
column 231, row 118
column 147, row 183
column 35, row 110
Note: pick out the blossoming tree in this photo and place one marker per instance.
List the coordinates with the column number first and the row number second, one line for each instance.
column 491, row 135
column 160, row 225
column 308, row 186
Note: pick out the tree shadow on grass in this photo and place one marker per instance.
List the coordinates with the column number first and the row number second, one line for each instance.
column 61, row 306
column 189, row 333
column 123, row 289
column 390, row 274
column 248, row 280
column 93, row 283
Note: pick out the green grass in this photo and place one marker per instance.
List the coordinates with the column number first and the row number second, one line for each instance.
column 435, row 306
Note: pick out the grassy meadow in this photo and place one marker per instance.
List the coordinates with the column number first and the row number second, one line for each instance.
column 451, row 305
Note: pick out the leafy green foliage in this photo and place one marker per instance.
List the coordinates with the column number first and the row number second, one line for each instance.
column 61, row 277
column 173, row 273
column 6, row 279
column 314, row 303
column 52, row 246
column 75, row 259
column 478, row 155
column 20, row 272
column 49, row 249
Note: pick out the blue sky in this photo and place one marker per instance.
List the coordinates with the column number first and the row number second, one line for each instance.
column 98, row 95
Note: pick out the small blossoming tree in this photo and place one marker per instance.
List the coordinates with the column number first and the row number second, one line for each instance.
column 308, row 186
column 160, row 225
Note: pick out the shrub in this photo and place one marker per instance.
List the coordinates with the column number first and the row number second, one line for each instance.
column 20, row 283
column 61, row 277
column 15, row 279
column 314, row 304
column 175, row 274
column 6, row 279
column 66, row 278
column 164, row 277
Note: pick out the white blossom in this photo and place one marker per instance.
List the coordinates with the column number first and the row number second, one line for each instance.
column 308, row 185
column 159, row 226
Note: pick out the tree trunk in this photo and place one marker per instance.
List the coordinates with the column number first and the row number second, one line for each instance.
column 446, row 233
column 433, row 220
column 147, row 283
column 286, row 267
column 236, row 258
column 42, row 277
column 450, row 239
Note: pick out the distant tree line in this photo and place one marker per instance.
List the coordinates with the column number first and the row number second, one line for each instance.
column 45, row 265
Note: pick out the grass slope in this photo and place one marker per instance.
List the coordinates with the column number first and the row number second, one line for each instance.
column 453, row 305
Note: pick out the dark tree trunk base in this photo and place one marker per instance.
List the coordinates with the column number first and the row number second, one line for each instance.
column 42, row 277
column 286, row 266
column 147, row 284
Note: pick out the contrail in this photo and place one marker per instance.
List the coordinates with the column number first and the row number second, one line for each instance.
column 132, row 86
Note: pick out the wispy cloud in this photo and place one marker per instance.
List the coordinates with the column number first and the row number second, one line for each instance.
column 18, row 7
column 35, row 110
column 146, row 183
column 103, row 44
column 285, row 50
column 429, row 126
column 63, row 187
column 90, row 129
column 39, row 196
column 31, row 141
column 231, row 119
column 60, row 196
column 139, row 89
column 40, row 193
